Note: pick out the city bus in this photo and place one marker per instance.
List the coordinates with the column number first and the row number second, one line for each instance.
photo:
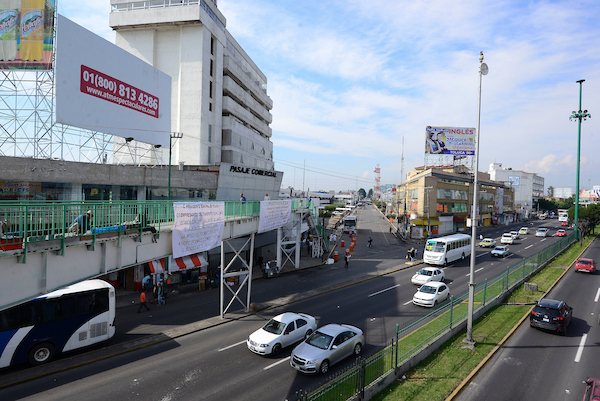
column 349, row 224
column 441, row 251
column 563, row 215
column 73, row 317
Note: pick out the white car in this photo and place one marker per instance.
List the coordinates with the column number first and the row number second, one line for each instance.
column 524, row 230
column 428, row 274
column 541, row 232
column 515, row 234
column 507, row 238
column 431, row 294
column 500, row 251
column 281, row 331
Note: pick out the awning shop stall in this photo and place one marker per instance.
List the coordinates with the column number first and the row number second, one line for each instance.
column 177, row 266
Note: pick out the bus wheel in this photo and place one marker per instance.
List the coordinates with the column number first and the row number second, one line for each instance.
column 41, row 353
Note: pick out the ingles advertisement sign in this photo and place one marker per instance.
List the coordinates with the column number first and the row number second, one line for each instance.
column 26, row 34
column 450, row 141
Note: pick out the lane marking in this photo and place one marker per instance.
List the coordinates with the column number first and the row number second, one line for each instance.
column 409, row 302
column 233, row 345
column 580, row 350
column 481, row 254
column 478, row 270
column 276, row 363
column 387, row 289
column 597, row 296
column 527, row 247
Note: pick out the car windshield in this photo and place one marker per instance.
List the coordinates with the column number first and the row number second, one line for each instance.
column 584, row 262
column 273, row 326
column 424, row 272
column 319, row 340
column 499, row 249
column 427, row 289
column 541, row 230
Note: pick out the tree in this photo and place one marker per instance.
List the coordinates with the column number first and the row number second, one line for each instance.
column 362, row 193
column 545, row 204
column 551, row 192
column 370, row 195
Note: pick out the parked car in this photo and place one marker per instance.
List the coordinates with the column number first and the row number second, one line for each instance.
column 585, row 265
column 327, row 346
column 487, row 243
column 551, row 314
column 500, row 251
column 507, row 238
column 564, row 223
column 524, row 231
column 561, row 233
column 591, row 392
column 541, row 232
column 515, row 234
column 431, row 294
column 281, row 331
column 428, row 274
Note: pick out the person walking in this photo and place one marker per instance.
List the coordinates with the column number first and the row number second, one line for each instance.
column 161, row 293
column 411, row 254
column 143, row 302
column 370, row 242
column 347, row 260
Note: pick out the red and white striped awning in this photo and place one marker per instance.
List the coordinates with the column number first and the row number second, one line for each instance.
column 179, row 264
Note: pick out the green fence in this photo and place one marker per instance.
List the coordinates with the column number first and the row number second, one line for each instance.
column 413, row 336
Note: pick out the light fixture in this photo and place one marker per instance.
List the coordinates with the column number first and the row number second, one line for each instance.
column 128, row 139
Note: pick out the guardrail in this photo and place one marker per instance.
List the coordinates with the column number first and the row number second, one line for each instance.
column 27, row 222
column 431, row 326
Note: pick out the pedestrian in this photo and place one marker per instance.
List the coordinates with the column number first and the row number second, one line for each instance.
column 347, row 259
column 147, row 282
column 81, row 223
column 143, row 302
column 407, row 253
column 370, row 242
column 242, row 198
column 481, row 237
column 412, row 254
column 267, row 197
column 161, row 293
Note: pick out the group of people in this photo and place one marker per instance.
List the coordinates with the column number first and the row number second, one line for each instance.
column 158, row 291
column 435, row 144
column 411, row 254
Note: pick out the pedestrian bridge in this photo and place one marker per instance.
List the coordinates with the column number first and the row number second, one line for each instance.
column 39, row 254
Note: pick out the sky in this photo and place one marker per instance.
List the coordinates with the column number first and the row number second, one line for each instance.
column 355, row 83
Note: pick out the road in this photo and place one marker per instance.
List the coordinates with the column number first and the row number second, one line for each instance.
column 215, row 363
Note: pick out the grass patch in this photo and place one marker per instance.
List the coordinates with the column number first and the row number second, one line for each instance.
column 438, row 375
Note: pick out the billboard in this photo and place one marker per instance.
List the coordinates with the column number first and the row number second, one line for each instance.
column 101, row 87
column 26, row 34
column 450, row 141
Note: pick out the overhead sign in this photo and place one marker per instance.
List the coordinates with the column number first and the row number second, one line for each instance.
column 101, row 87
column 26, row 34
column 274, row 214
column 197, row 227
column 450, row 141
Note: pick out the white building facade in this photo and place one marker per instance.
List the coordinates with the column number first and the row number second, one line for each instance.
column 528, row 187
column 219, row 99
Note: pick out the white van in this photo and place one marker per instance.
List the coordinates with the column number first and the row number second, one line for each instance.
column 507, row 238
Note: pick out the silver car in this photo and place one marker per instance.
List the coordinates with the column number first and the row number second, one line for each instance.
column 327, row 346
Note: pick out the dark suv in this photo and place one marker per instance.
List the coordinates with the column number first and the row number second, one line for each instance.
column 551, row 315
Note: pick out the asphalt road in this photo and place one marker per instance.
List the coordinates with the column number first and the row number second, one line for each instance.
column 215, row 363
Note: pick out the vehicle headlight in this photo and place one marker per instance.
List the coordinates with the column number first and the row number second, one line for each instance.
column 311, row 362
column 263, row 345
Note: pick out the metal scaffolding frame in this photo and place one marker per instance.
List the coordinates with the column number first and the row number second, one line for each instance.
column 245, row 272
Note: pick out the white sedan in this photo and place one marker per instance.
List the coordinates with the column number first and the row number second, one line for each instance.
column 426, row 275
column 431, row 294
column 281, row 331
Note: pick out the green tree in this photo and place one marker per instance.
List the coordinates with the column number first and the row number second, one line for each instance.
column 362, row 193
column 370, row 195
column 550, row 192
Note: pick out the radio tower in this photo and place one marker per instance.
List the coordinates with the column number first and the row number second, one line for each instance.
column 377, row 190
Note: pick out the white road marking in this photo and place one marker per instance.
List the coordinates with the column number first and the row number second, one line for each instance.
column 233, row 345
column 387, row 289
column 482, row 254
column 276, row 363
column 527, row 247
column 478, row 270
column 406, row 303
column 580, row 350
column 597, row 295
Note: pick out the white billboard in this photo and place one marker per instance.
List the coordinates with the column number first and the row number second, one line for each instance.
column 101, row 87
column 450, row 141
column 274, row 214
column 197, row 227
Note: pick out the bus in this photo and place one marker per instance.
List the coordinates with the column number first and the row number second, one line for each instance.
column 73, row 317
column 441, row 251
column 563, row 215
column 349, row 224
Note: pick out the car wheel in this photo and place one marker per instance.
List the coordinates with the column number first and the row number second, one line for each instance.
column 357, row 349
column 445, row 262
column 434, row 303
column 324, row 368
column 463, row 256
column 307, row 334
column 276, row 349
column 41, row 353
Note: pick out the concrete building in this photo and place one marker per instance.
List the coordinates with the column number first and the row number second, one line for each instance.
column 528, row 187
column 219, row 99
column 438, row 200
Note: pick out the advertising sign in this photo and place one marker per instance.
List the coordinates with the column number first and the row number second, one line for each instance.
column 101, row 87
column 514, row 181
column 274, row 214
column 197, row 227
column 26, row 34
column 450, row 141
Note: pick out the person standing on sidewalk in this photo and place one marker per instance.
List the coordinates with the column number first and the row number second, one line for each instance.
column 347, row 259
column 161, row 293
column 143, row 302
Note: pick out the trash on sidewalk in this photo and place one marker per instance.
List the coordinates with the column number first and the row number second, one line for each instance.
column 329, row 261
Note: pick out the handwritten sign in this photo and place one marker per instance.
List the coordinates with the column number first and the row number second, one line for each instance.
column 274, row 214
column 198, row 227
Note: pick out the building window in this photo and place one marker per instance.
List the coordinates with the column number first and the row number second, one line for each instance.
column 210, row 106
column 211, row 67
column 212, row 46
column 209, row 134
column 209, row 155
column 210, row 89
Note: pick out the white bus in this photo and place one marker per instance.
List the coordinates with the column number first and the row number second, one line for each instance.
column 443, row 250
column 79, row 315
column 563, row 215
column 349, row 224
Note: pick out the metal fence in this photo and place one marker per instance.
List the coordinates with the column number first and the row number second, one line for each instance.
column 415, row 335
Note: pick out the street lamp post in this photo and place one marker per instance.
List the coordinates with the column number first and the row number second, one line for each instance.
column 483, row 70
column 578, row 116
column 176, row 135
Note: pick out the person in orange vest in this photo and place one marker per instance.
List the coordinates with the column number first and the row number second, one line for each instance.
column 143, row 302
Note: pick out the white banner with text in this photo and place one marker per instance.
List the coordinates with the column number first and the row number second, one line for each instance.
column 198, row 227
column 274, row 214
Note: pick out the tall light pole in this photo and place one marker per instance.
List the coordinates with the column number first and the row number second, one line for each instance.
column 578, row 116
column 176, row 135
column 483, row 70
